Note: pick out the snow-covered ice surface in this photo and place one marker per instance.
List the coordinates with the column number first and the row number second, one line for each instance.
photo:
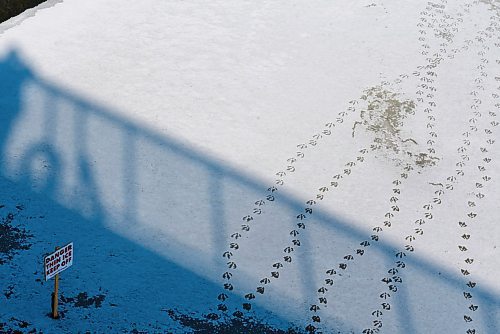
column 252, row 166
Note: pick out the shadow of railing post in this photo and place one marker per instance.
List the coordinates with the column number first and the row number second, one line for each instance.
column 14, row 75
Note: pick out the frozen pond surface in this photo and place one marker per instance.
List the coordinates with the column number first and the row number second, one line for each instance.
column 253, row 167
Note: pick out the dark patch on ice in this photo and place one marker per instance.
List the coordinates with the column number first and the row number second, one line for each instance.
column 232, row 325
column 135, row 331
column 22, row 327
column 12, row 238
column 20, row 323
column 9, row 291
column 83, row 300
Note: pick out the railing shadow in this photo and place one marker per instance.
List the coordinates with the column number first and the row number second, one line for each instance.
column 149, row 215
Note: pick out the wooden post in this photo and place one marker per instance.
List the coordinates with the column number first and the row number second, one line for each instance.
column 55, row 296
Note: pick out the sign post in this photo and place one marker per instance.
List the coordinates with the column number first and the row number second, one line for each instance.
column 55, row 295
column 53, row 264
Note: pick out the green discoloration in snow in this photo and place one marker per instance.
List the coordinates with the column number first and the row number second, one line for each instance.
column 383, row 117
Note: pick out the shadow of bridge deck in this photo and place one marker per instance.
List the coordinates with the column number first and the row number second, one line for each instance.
column 148, row 214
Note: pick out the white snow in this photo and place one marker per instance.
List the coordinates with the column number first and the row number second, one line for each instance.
column 356, row 139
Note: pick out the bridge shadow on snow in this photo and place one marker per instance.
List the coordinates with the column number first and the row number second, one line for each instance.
column 109, row 185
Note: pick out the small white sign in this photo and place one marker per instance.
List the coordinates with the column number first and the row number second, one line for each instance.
column 58, row 261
